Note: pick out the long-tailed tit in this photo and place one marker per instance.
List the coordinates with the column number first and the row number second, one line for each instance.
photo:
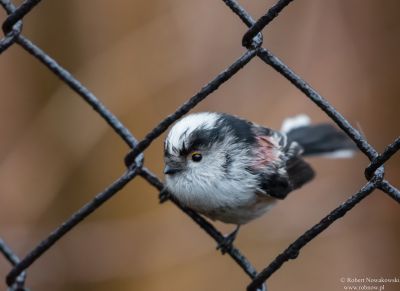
column 232, row 170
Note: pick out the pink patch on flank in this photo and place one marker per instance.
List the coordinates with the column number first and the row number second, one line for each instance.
column 267, row 151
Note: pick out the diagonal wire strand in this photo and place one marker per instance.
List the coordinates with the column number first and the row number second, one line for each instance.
column 9, row 254
column 284, row 70
column 204, row 224
column 75, row 218
column 390, row 190
column 81, row 90
column 389, row 151
column 320, row 101
column 11, row 35
column 252, row 39
column 264, row 21
column 192, row 102
column 18, row 14
column 293, row 250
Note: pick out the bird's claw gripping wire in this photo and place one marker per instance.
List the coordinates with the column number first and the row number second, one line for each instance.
column 227, row 243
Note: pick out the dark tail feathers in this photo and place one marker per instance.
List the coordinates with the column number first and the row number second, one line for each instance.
column 322, row 139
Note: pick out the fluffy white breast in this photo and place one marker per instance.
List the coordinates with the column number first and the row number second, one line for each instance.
column 187, row 125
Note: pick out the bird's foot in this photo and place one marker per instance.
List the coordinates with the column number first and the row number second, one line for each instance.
column 164, row 195
column 227, row 243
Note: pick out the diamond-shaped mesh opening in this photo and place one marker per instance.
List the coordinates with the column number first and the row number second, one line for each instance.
column 252, row 41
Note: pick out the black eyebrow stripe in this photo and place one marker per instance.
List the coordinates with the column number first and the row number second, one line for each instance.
column 184, row 150
column 204, row 138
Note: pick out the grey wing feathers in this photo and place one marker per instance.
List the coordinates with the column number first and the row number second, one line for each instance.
column 281, row 183
column 299, row 172
column 290, row 173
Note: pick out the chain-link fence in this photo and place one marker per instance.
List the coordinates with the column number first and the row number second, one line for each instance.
column 252, row 41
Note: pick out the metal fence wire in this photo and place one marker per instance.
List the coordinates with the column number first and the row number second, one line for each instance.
column 252, row 41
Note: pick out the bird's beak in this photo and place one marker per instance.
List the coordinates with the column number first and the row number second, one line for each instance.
column 168, row 170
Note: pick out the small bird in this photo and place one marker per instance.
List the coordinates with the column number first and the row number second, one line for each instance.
column 233, row 170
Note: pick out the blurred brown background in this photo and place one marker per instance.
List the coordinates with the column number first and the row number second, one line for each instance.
column 143, row 59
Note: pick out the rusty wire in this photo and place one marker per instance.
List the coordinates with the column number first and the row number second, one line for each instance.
column 252, row 41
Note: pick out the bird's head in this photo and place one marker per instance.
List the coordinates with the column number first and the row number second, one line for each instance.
column 194, row 148
column 204, row 149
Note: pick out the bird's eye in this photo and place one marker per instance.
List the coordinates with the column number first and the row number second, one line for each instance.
column 196, row 157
